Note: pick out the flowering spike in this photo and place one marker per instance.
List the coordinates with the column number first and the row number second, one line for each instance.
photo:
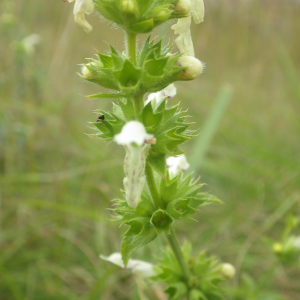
column 228, row 270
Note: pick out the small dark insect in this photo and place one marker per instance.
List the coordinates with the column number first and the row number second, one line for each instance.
column 100, row 118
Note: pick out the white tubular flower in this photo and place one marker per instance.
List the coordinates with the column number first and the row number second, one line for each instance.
column 138, row 267
column 182, row 27
column 81, row 8
column 169, row 91
column 228, row 270
column 176, row 164
column 184, row 40
column 135, row 159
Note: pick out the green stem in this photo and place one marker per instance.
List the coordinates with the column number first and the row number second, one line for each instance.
column 152, row 187
column 138, row 106
column 131, row 46
column 131, row 49
column 172, row 239
column 178, row 254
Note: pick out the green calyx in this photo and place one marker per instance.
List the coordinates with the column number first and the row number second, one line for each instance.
column 155, row 70
column 138, row 16
column 182, row 197
column 205, row 276
column 161, row 221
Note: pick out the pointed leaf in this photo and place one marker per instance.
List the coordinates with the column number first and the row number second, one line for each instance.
column 138, row 235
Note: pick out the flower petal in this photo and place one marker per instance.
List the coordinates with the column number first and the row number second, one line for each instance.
column 81, row 8
column 176, row 164
column 184, row 40
column 198, row 11
column 133, row 132
column 169, row 91
column 138, row 267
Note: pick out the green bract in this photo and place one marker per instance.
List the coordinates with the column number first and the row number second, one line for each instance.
column 138, row 16
column 180, row 196
column 205, row 275
column 165, row 123
column 155, row 69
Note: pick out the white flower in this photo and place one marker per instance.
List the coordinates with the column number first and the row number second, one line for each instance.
column 228, row 271
column 30, row 41
column 169, row 91
column 184, row 40
column 198, row 11
column 81, row 8
column 133, row 132
column 138, row 267
column 135, row 159
column 182, row 27
column 176, row 164
column 297, row 242
column 193, row 67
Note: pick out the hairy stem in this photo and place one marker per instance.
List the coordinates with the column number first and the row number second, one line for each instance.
column 138, row 102
column 131, row 47
column 172, row 239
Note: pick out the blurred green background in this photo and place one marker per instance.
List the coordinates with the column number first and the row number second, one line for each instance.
column 57, row 183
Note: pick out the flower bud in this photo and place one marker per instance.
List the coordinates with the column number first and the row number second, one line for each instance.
column 86, row 72
column 162, row 15
column 277, row 248
column 193, row 67
column 228, row 271
column 127, row 6
column 183, row 6
column 130, row 10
